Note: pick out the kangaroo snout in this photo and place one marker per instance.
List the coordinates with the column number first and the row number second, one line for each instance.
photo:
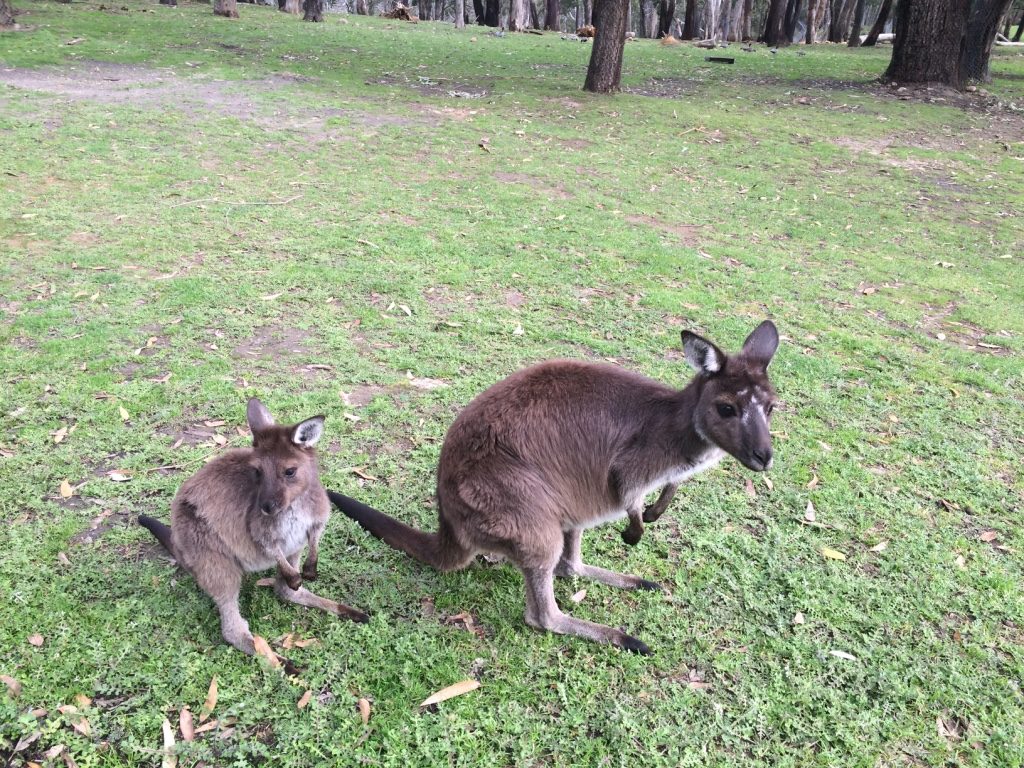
column 761, row 459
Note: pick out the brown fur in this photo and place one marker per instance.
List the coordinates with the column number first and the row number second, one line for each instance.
column 566, row 445
column 251, row 509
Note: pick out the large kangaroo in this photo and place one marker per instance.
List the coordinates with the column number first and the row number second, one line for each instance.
column 567, row 445
column 249, row 510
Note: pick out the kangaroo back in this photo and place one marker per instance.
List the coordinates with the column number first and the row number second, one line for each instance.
column 439, row 550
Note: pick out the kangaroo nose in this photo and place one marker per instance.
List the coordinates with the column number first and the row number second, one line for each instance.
column 764, row 456
column 268, row 507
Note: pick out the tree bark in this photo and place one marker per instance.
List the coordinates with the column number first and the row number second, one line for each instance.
column 648, row 19
column 929, row 41
column 518, row 15
column 551, row 16
column 982, row 26
column 460, row 14
column 879, row 26
column 363, row 9
column 588, row 12
column 666, row 12
column 492, row 13
column 745, row 26
column 812, row 19
column 226, row 8
column 292, row 6
column 858, row 21
column 478, row 11
column 162, row 2
column 1020, row 29
column 792, row 18
column 6, row 15
column 605, row 70
column 312, row 10
column 689, row 19
column 841, row 10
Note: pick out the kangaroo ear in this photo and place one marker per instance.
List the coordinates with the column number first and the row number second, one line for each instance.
column 701, row 354
column 258, row 416
column 761, row 344
column 308, row 432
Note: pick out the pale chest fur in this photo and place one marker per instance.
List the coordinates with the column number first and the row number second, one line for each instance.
column 288, row 532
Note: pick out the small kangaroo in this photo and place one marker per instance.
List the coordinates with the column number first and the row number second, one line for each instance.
column 248, row 510
column 567, row 445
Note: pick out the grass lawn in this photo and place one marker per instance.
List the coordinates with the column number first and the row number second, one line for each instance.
column 376, row 220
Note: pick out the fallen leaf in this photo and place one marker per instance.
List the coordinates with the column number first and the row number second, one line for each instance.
column 170, row 759
column 263, row 649
column 66, row 491
column 798, row 618
column 456, row 689
column 13, row 686
column 124, row 413
column 832, row 554
column 768, row 482
column 60, row 434
column 843, row 655
column 880, row 546
column 809, row 514
column 270, row 297
column 83, row 701
column 358, row 471
column 578, row 597
column 81, row 724
column 36, row 640
column 209, row 726
column 950, row 726
column 187, row 724
column 304, row 700
column 118, row 477
column 215, row 423
column 989, row 536
column 960, row 561
column 211, row 700
column 364, row 710
column 220, row 440
column 306, row 643
column 26, row 741
column 748, row 484
column 813, row 483
column 518, row 330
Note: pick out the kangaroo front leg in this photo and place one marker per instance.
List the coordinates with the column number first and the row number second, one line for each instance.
column 657, row 509
column 571, row 564
column 313, row 555
column 632, row 533
column 287, row 570
column 542, row 612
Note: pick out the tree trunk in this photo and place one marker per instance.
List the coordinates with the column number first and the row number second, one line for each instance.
column 982, row 26
column 1020, row 29
column 666, row 12
column 588, row 12
column 879, row 25
column 363, row 9
column 551, row 15
column 292, row 6
column 648, row 19
column 162, row 2
column 929, row 41
column 774, row 22
column 858, row 21
column 605, row 70
column 312, row 10
column 792, row 17
column 226, row 8
column 518, row 15
column 534, row 17
column 812, row 20
column 746, row 25
column 460, row 14
column 840, row 20
column 689, row 19
column 478, row 11
column 6, row 14
column 492, row 13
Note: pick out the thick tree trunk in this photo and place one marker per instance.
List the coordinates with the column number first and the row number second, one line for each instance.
column 292, row 6
column 605, row 70
column 812, row 20
column 478, row 11
column 689, row 19
column 226, row 8
column 492, row 13
column 1020, row 29
column 982, row 26
column 929, row 41
column 841, row 10
column 6, row 14
column 162, row 2
column 858, row 21
column 666, row 12
column 648, row 19
column 746, row 25
column 363, row 8
column 774, row 22
column 551, row 15
column 879, row 26
column 588, row 12
column 518, row 15
column 792, row 18
column 312, row 10
column 460, row 14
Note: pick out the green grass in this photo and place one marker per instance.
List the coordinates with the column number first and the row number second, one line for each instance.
column 882, row 235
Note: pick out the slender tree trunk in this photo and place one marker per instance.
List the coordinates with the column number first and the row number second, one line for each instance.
column 518, row 15
column 226, row 8
column 840, row 20
column 292, row 6
column 551, row 15
column 792, row 18
column 162, row 2
column 478, row 11
column 689, row 19
column 858, row 21
column 6, row 14
column 812, row 9
column 929, row 41
column 460, row 14
column 775, row 23
column 666, row 12
column 1020, row 29
column 879, row 25
column 982, row 26
column 588, row 12
column 312, row 10
column 648, row 19
column 605, row 70
column 745, row 26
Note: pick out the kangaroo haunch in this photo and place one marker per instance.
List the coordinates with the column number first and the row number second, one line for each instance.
column 566, row 445
column 249, row 510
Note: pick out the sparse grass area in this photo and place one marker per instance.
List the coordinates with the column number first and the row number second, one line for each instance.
column 270, row 196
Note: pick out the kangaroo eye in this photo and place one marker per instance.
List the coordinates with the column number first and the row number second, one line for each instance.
column 725, row 410
column 290, row 472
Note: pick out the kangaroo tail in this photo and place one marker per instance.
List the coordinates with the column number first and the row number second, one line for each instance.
column 439, row 550
column 158, row 529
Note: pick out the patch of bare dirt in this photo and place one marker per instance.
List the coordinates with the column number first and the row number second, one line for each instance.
column 556, row 191
column 687, row 233
column 272, row 343
column 428, row 86
column 666, row 87
column 937, row 322
column 358, row 395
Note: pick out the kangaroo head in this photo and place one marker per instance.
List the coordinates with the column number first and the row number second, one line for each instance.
column 283, row 458
column 736, row 398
